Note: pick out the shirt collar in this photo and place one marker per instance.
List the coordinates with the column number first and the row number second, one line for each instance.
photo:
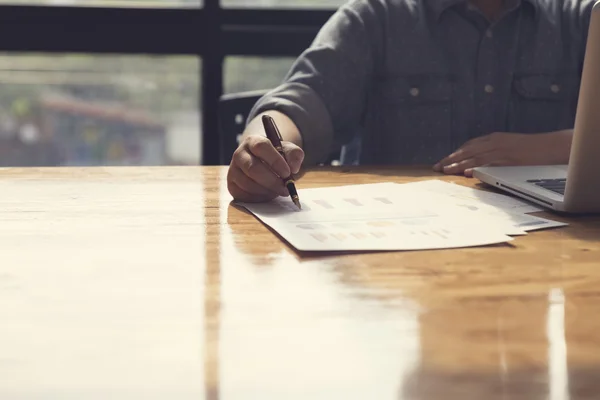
column 439, row 6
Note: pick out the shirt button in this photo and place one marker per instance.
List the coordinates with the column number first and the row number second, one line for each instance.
column 414, row 92
column 555, row 88
column 489, row 89
column 489, row 33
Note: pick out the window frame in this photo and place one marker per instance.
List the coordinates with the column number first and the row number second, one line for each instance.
column 211, row 32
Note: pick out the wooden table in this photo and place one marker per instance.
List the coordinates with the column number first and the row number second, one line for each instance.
column 145, row 283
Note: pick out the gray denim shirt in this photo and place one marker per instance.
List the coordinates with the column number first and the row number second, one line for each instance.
column 418, row 78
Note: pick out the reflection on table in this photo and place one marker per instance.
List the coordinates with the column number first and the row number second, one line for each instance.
column 129, row 283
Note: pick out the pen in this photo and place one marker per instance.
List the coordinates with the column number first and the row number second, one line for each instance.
column 275, row 138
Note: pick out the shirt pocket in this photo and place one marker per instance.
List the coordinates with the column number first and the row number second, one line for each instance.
column 543, row 102
column 416, row 118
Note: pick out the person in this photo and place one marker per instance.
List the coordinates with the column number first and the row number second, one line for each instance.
column 455, row 84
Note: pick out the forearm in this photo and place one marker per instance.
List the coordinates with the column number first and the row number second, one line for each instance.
column 289, row 131
column 325, row 92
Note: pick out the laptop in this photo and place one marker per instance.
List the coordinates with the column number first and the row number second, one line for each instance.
column 573, row 188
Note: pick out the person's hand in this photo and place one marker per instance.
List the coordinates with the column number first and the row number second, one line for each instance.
column 500, row 149
column 256, row 170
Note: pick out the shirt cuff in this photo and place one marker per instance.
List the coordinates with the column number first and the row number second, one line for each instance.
column 307, row 110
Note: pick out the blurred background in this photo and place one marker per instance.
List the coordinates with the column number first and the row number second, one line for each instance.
column 87, row 109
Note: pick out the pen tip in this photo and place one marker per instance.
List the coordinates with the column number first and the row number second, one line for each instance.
column 297, row 203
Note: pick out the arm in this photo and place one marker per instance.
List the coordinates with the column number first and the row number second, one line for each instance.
column 322, row 98
column 503, row 148
column 318, row 105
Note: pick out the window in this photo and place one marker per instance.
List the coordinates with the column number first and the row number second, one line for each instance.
column 164, row 41
column 313, row 4
column 254, row 73
column 111, row 3
column 86, row 110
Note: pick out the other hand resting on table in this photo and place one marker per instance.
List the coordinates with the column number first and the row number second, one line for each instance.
column 501, row 148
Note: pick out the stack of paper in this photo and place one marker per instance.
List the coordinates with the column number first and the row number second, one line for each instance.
column 415, row 216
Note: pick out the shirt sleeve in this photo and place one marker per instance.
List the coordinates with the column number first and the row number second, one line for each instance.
column 325, row 91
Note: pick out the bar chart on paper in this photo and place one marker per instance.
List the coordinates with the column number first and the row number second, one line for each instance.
column 354, row 218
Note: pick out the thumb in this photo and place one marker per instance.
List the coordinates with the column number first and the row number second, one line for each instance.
column 294, row 156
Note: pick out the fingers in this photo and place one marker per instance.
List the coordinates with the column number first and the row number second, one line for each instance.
column 251, row 170
column 241, row 195
column 473, row 148
column 294, row 156
column 262, row 148
column 244, row 186
column 257, row 169
column 462, row 154
column 469, row 172
column 460, row 167
column 466, row 166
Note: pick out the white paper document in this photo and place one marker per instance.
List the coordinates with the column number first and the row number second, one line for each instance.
column 370, row 217
column 467, row 204
column 473, row 198
column 430, row 214
column 513, row 223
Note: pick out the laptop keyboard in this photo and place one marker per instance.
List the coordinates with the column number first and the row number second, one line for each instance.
column 554, row 185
